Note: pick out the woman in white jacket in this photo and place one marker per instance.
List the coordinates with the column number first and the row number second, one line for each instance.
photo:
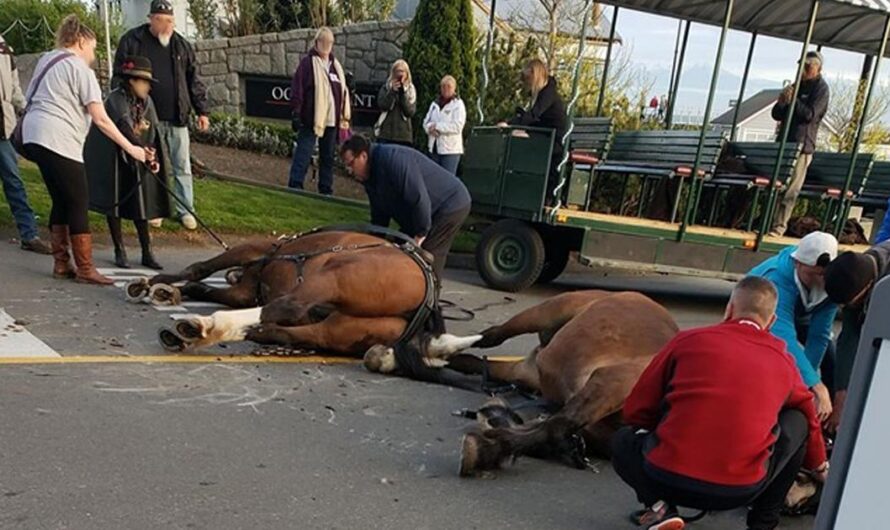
column 444, row 124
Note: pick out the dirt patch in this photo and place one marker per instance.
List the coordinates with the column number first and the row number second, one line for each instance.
column 268, row 169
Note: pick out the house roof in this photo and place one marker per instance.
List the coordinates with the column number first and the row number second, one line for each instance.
column 506, row 18
column 749, row 107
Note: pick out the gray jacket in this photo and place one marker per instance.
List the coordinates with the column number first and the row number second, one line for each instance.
column 12, row 100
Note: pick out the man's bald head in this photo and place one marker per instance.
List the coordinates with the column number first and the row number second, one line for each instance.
column 753, row 298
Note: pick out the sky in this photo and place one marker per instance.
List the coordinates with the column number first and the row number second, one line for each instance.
column 650, row 41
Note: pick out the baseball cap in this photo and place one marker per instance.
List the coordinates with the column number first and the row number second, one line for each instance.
column 816, row 249
column 814, row 57
column 161, row 7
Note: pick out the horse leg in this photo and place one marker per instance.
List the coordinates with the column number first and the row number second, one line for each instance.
column 337, row 333
column 545, row 319
column 201, row 331
column 602, row 396
column 234, row 257
column 523, row 373
column 293, row 309
column 241, row 295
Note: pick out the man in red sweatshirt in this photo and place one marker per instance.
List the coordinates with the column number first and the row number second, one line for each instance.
column 720, row 419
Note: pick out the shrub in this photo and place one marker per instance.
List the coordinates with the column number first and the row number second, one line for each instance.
column 250, row 135
column 35, row 23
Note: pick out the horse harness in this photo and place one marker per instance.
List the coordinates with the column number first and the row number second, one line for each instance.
column 428, row 307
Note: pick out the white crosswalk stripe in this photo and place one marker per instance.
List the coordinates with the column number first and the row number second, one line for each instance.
column 187, row 309
column 17, row 341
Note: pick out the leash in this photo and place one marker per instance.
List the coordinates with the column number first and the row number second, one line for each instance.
column 470, row 314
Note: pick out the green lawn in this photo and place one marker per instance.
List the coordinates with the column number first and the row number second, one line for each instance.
column 229, row 208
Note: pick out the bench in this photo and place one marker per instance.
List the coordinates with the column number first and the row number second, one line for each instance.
column 827, row 175
column 657, row 155
column 876, row 189
column 588, row 145
column 755, row 163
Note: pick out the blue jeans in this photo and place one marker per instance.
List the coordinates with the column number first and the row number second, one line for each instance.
column 14, row 189
column 177, row 141
column 449, row 162
column 884, row 232
column 303, row 156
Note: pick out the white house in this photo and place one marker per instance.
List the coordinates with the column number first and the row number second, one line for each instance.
column 755, row 123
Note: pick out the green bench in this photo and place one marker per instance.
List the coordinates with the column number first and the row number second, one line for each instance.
column 876, row 189
column 750, row 165
column 826, row 177
column 658, row 155
column 588, row 146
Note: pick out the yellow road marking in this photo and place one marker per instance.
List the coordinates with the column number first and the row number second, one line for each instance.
column 199, row 359
column 181, row 359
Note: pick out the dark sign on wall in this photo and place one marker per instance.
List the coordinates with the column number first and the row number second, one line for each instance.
column 269, row 97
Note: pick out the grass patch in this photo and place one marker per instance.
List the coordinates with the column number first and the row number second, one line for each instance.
column 229, row 208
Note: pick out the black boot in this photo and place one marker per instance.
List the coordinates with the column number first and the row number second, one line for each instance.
column 120, row 253
column 120, row 258
column 148, row 258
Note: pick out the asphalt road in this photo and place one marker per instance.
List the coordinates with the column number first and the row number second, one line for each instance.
column 256, row 445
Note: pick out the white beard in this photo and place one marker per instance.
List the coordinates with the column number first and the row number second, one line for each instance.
column 165, row 40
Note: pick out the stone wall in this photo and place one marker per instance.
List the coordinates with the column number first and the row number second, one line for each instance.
column 367, row 50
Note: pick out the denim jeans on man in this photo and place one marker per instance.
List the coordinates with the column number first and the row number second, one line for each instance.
column 14, row 189
column 303, row 156
column 449, row 162
column 177, row 141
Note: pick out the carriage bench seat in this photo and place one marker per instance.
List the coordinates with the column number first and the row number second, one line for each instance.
column 588, row 146
column 876, row 190
column 827, row 175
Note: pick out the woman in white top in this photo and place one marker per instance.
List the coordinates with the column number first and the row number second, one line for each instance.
column 444, row 123
column 64, row 96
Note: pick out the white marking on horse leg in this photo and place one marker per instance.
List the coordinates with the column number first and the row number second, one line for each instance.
column 380, row 359
column 446, row 345
column 227, row 326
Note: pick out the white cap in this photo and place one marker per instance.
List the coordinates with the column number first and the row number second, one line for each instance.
column 813, row 246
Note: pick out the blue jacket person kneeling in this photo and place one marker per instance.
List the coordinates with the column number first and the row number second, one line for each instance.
column 428, row 203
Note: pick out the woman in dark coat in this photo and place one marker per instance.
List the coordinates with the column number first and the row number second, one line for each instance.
column 546, row 110
column 120, row 187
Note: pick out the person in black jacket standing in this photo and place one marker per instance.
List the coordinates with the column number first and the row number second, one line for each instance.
column 177, row 92
column 429, row 203
column 812, row 103
column 547, row 110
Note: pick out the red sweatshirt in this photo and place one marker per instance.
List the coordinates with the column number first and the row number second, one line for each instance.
column 713, row 397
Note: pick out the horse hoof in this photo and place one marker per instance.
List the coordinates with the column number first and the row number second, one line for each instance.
column 162, row 294
column 136, row 290
column 380, row 359
column 469, row 455
column 171, row 341
column 233, row 276
column 188, row 330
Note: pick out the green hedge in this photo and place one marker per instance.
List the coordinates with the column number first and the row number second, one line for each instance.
column 38, row 36
column 227, row 130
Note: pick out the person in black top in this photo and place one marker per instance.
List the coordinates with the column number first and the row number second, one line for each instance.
column 811, row 106
column 428, row 202
column 547, row 110
column 177, row 93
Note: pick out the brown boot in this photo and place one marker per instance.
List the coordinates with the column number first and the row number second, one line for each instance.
column 62, row 268
column 82, row 244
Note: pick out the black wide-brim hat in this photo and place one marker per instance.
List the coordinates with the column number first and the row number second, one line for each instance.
column 137, row 67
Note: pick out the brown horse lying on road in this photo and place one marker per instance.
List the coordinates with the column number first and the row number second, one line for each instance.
column 594, row 346
column 337, row 291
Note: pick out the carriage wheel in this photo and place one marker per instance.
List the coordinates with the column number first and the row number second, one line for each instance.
column 510, row 255
column 556, row 259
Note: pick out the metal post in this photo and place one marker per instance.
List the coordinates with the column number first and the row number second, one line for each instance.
column 844, row 201
column 767, row 215
column 674, row 61
column 669, row 119
column 695, row 188
column 106, row 7
column 735, row 114
column 602, row 95
column 486, row 55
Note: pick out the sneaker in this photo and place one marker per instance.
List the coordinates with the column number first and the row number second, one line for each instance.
column 653, row 516
column 36, row 245
column 156, row 223
column 188, row 221
column 671, row 523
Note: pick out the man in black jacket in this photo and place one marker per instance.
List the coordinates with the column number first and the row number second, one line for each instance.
column 849, row 281
column 812, row 103
column 176, row 94
column 428, row 202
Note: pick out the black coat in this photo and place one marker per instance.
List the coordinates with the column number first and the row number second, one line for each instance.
column 120, row 186
column 811, row 106
column 190, row 91
column 548, row 111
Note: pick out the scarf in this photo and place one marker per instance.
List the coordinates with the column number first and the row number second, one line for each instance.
column 322, row 79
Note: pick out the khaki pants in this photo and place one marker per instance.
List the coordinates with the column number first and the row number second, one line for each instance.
column 786, row 205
